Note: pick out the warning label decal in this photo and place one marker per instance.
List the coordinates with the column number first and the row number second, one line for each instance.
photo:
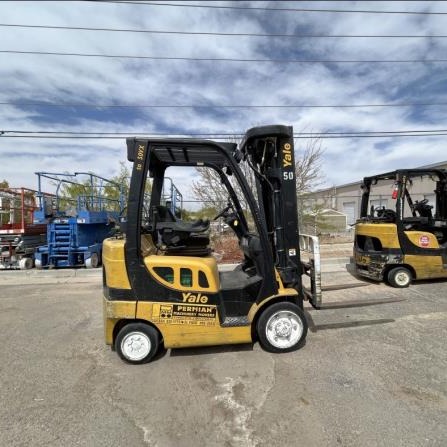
column 424, row 241
column 184, row 314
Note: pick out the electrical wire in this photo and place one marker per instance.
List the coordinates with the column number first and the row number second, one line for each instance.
column 200, row 33
column 222, row 133
column 216, row 136
column 210, row 59
column 297, row 135
column 219, row 106
column 259, row 8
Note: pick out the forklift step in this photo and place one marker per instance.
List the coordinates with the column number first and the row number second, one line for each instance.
column 235, row 321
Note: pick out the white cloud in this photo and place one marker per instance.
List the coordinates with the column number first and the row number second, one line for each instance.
column 125, row 81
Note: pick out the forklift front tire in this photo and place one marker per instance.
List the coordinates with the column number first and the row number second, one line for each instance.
column 282, row 327
column 399, row 277
column 137, row 343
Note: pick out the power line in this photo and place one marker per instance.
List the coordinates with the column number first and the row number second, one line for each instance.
column 215, row 136
column 223, row 133
column 210, row 59
column 200, row 33
column 219, row 106
column 297, row 135
column 259, row 8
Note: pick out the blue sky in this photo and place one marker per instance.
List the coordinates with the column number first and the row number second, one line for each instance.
column 88, row 80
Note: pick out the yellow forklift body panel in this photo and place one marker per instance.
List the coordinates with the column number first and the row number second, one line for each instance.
column 206, row 265
column 282, row 293
column 387, row 233
column 114, row 311
column 113, row 257
column 426, row 266
column 184, row 325
column 422, row 239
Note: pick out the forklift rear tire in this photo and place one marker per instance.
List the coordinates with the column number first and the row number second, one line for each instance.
column 282, row 327
column 93, row 261
column 399, row 277
column 137, row 343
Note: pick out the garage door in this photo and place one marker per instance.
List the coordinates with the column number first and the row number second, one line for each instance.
column 349, row 210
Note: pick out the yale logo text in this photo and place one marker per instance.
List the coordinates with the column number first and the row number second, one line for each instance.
column 287, row 155
column 189, row 297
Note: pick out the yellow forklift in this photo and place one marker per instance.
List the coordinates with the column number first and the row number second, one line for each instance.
column 406, row 238
column 162, row 284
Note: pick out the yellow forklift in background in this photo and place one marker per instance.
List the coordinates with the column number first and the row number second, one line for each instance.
column 407, row 240
column 163, row 287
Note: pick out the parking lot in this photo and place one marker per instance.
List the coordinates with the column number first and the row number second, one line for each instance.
column 373, row 373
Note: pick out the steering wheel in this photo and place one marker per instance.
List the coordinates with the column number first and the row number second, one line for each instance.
column 224, row 211
column 378, row 210
column 387, row 214
column 422, row 202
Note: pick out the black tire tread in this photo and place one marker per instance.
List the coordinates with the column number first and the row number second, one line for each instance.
column 392, row 275
column 150, row 331
column 267, row 313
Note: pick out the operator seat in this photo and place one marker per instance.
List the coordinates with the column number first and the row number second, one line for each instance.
column 424, row 210
column 178, row 237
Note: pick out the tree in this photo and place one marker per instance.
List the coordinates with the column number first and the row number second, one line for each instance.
column 123, row 179
column 210, row 190
column 309, row 176
column 308, row 170
column 308, row 166
column 4, row 184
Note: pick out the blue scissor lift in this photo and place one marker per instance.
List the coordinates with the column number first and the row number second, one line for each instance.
column 172, row 198
column 76, row 227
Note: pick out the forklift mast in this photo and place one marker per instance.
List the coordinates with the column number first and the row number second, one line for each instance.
column 269, row 151
column 441, row 196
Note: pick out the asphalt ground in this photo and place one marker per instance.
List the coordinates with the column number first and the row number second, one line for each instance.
column 372, row 373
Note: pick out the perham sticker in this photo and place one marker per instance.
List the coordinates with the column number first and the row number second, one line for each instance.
column 184, row 314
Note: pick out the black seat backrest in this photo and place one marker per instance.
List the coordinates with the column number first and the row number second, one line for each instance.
column 425, row 211
column 164, row 214
column 177, row 234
